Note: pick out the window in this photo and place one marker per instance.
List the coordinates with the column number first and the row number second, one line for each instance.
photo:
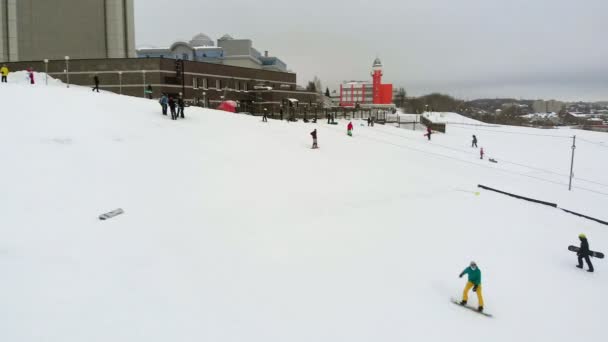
column 245, row 86
column 218, row 84
column 236, row 85
column 195, row 82
column 205, row 83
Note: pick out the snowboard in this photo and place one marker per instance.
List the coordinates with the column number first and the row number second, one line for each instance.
column 592, row 253
column 111, row 214
column 457, row 302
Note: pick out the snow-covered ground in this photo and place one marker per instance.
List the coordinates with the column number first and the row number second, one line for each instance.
column 235, row 230
column 450, row 118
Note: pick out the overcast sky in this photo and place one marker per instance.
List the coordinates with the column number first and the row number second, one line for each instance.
column 466, row 48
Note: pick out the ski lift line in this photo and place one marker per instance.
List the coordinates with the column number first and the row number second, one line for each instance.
column 476, row 164
column 503, row 160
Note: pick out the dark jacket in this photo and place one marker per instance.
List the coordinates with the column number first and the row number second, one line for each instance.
column 584, row 249
column 171, row 102
column 96, row 80
column 180, row 103
column 314, row 134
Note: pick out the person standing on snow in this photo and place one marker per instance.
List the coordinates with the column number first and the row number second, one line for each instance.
column 265, row 115
column 474, row 143
column 474, row 282
column 4, row 71
column 30, row 73
column 172, row 107
column 96, row 81
column 584, row 253
column 314, row 138
column 428, row 132
column 349, row 129
column 481, row 153
column 180, row 107
column 164, row 102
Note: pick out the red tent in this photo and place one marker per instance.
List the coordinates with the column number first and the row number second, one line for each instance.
column 228, row 106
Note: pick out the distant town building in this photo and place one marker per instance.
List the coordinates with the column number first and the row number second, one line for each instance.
column 364, row 93
column 541, row 106
column 229, row 51
column 33, row 30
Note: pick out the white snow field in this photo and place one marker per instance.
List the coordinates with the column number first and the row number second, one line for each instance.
column 235, row 230
column 449, row 117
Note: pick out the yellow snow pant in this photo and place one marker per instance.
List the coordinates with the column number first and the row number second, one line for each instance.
column 467, row 288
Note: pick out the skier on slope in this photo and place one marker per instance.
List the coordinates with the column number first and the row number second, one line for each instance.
column 349, row 129
column 314, row 138
column 428, row 132
column 474, row 282
column 474, row 143
column 584, row 253
column 481, row 153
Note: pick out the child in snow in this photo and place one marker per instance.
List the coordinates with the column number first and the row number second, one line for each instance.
column 96, row 81
column 314, row 138
column 349, row 129
column 474, row 144
column 30, row 74
column 428, row 132
column 4, row 71
column 474, row 282
column 164, row 102
column 481, row 153
column 584, row 253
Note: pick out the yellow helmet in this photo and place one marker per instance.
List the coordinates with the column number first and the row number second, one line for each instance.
column 582, row 236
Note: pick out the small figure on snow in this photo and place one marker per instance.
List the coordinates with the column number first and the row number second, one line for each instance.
column 4, row 71
column 428, row 132
column 265, row 115
column 584, row 253
column 349, row 129
column 149, row 91
column 314, row 138
column 30, row 75
column 96, row 81
column 474, row 143
column 481, row 153
column 164, row 102
column 180, row 107
column 172, row 107
column 474, row 282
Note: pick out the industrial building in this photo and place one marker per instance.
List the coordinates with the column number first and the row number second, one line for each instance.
column 366, row 94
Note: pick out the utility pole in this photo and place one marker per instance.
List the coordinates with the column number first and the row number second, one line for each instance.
column 572, row 163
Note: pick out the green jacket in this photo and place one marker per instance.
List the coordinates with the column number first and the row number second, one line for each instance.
column 474, row 275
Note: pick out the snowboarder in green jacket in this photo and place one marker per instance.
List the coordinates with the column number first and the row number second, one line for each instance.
column 474, row 275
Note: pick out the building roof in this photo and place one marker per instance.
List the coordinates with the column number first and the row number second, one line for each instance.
column 201, row 39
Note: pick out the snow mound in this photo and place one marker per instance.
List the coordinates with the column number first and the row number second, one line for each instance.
column 450, row 118
column 236, row 230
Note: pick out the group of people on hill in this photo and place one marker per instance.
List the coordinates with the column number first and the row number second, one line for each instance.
column 4, row 71
column 176, row 106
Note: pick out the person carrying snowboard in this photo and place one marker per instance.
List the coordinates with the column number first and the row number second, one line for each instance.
column 474, row 143
column 428, row 132
column 584, row 253
column 349, row 129
column 4, row 71
column 474, row 282
column 314, row 138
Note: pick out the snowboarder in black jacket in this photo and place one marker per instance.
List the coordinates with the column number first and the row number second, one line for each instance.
column 474, row 144
column 96, row 81
column 584, row 253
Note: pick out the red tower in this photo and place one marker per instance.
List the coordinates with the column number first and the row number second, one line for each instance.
column 377, row 83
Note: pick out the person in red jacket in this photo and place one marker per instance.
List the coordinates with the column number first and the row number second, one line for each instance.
column 349, row 129
column 314, row 138
column 481, row 153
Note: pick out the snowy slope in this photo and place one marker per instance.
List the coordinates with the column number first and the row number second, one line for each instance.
column 235, row 230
